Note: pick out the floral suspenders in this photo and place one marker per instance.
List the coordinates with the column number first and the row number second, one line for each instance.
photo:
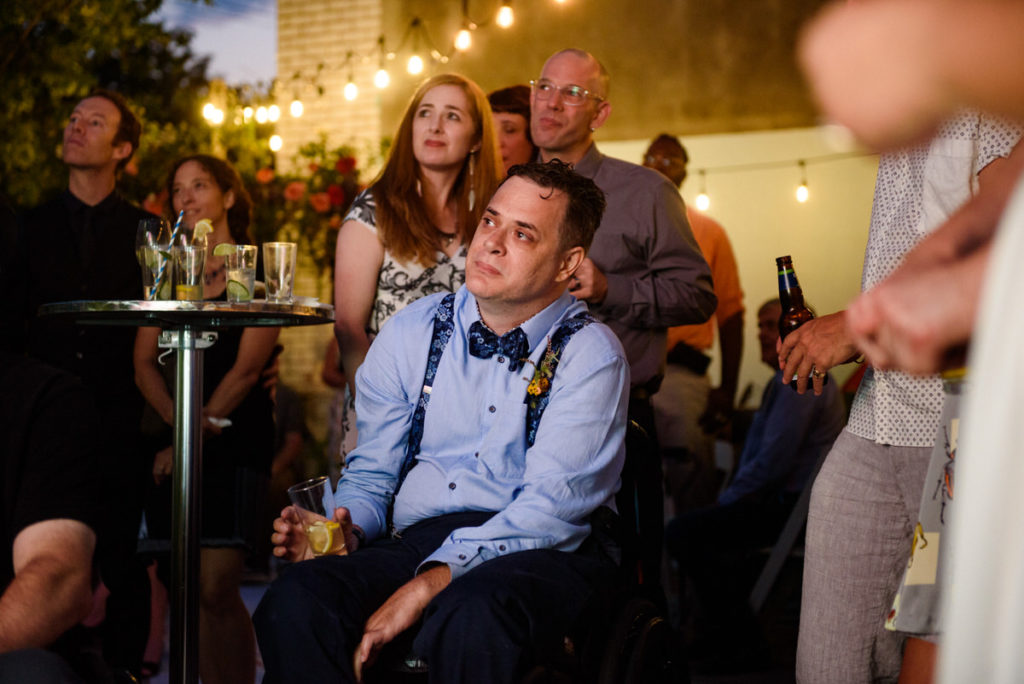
column 537, row 393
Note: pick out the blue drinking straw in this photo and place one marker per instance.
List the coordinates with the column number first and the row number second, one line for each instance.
column 163, row 263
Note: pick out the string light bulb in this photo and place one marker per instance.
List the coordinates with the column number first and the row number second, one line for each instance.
column 463, row 40
column 296, row 108
column 415, row 65
column 261, row 115
column 213, row 114
column 247, row 114
column 505, row 16
column 351, row 90
column 802, row 193
column 275, row 143
column 703, row 201
column 381, row 79
column 273, row 113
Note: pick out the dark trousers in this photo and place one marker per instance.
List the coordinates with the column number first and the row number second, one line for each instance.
column 489, row 625
column 711, row 545
column 37, row 666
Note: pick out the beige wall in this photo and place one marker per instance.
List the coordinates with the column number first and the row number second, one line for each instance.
column 825, row 236
column 703, row 69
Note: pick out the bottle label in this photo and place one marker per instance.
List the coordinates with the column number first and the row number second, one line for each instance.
column 787, row 280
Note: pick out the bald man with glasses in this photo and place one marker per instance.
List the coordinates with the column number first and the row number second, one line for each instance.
column 644, row 272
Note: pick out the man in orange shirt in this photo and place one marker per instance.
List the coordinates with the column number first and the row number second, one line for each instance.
column 688, row 410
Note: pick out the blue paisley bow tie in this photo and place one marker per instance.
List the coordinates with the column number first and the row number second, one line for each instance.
column 514, row 345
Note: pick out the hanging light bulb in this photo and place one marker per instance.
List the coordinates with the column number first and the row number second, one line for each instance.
column 208, row 111
column 247, row 114
column 703, row 201
column 381, row 79
column 463, row 40
column 261, row 115
column 802, row 193
column 351, row 90
column 505, row 16
column 414, row 65
column 275, row 143
column 296, row 108
column 273, row 113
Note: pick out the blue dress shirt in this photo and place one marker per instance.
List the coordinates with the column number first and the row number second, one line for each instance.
column 788, row 435
column 473, row 454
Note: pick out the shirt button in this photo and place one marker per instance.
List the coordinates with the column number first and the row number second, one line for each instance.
column 462, row 556
column 491, row 409
column 476, row 455
column 501, row 359
column 501, row 547
column 451, row 485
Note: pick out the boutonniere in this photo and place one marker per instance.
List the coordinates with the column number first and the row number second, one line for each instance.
column 540, row 384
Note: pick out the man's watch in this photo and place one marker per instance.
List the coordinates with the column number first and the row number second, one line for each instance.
column 360, row 536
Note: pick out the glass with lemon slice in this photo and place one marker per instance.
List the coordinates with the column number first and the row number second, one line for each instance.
column 314, row 502
column 240, row 266
column 190, row 262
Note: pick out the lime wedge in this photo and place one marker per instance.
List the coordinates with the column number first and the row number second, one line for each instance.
column 238, row 291
column 224, row 248
column 202, row 229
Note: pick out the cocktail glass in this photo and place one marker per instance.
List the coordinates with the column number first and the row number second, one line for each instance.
column 153, row 250
column 189, row 271
column 279, row 270
column 240, row 264
column 314, row 501
column 156, row 260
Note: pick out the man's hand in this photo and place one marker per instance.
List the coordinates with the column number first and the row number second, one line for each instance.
column 719, row 410
column 289, row 537
column 820, row 344
column 915, row 321
column 399, row 613
column 589, row 283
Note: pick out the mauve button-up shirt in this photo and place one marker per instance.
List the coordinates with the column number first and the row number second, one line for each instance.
column 657, row 277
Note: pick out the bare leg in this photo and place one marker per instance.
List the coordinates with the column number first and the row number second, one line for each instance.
column 227, row 645
column 919, row 658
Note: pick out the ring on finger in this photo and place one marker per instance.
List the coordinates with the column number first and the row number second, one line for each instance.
column 816, row 373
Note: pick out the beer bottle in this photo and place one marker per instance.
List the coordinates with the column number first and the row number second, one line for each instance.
column 794, row 311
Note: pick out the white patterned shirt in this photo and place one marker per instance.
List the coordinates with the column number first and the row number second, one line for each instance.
column 400, row 283
column 915, row 191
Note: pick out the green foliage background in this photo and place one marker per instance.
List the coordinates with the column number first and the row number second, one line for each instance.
column 55, row 51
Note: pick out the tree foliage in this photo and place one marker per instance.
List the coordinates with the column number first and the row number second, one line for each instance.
column 55, row 51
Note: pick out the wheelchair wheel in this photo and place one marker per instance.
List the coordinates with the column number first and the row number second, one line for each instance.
column 640, row 648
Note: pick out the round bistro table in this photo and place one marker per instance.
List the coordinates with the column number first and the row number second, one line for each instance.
column 188, row 327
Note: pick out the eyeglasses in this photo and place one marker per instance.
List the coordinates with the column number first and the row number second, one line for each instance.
column 658, row 160
column 572, row 95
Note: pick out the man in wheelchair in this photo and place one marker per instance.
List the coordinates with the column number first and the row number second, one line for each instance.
column 491, row 426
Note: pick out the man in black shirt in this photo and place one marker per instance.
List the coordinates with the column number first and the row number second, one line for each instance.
column 81, row 245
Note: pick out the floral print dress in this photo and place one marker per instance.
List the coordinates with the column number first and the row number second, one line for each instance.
column 398, row 284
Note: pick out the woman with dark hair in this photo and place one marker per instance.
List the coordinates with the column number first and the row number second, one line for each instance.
column 236, row 458
column 406, row 235
column 511, row 108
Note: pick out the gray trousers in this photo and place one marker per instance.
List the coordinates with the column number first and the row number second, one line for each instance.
column 859, row 530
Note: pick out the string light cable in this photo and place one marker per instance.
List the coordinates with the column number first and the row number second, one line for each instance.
column 703, row 201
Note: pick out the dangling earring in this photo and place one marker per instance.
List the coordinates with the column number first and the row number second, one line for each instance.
column 472, row 194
